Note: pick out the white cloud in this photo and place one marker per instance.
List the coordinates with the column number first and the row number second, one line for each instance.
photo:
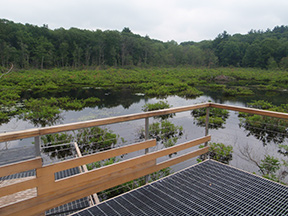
column 180, row 20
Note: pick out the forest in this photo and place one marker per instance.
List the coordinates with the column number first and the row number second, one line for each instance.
column 33, row 47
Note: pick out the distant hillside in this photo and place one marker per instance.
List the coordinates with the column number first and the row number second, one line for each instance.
column 30, row 46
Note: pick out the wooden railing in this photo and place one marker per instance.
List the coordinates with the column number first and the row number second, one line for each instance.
column 52, row 193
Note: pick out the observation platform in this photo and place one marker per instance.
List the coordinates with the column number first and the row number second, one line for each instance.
column 208, row 188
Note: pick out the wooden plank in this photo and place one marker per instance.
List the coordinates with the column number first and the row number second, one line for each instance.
column 21, row 166
column 116, row 180
column 75, row 162
column 17, row 187
column 84, row 167
column 182, row 158
column 45, row 180
column 45, row 202
column 45, row 174
column 42, row 203
column 5, row 137
column 251, row 110
column 104, row 172
column 92, row 123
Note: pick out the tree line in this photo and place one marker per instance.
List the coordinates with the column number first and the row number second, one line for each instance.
column 29, row 46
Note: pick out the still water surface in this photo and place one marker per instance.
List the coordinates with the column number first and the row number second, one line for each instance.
column 115, row 103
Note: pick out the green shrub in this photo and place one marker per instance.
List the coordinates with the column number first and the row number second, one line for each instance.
column 158, row 106
column 218, row 152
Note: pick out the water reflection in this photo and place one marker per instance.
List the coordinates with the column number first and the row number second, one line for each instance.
column 44, row 109
column 271, row 132
column 89, row 140
column 265, row 129
column 217, row 117
column 274, row 97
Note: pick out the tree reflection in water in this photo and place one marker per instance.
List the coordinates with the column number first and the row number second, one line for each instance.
column 217, row 117
column 265, row 129
column 89, row 140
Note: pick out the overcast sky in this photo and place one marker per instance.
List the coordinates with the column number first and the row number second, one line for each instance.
column 179, row 20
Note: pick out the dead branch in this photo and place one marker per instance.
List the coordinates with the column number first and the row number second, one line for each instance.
column 7, row 71
column 246, row 155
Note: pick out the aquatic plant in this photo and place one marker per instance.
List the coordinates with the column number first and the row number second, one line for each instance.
column 237, row 91
column 41, row 112
column 157, row 106
column 219, row 152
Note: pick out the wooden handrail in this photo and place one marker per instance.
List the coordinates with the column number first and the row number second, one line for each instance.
column 251, row 110
column 21, row 166
column 4, row 137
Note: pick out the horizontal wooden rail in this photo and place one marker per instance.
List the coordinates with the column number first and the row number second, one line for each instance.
column 103, row 172
column 47, row 172
column 22, row 166
column 75, row 162
column 251, row 110
column 17, row 187
column 4, row 137
column 87, row 189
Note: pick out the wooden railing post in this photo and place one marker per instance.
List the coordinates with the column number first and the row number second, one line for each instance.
column 207, row 123
column 146, row 138
column 37, row 142
column 207, row 128
column 146, row 130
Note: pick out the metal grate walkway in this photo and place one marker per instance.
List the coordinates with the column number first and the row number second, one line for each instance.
column 208, row 188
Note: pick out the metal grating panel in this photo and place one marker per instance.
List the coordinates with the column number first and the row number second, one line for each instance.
column 208, row 188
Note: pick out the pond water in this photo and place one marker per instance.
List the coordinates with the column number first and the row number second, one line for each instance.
column 117, row 103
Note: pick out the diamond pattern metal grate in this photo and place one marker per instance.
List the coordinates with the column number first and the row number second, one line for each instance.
column 208, row 188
